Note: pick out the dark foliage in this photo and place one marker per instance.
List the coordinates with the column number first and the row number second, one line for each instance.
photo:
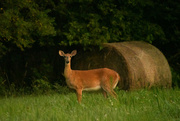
column 32, row 32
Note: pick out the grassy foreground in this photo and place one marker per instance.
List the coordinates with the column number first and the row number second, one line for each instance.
column 141, row 105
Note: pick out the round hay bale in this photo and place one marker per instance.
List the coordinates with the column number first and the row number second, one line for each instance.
column 139, row 64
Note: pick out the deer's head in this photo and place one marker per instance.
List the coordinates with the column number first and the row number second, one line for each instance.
column 67, row 56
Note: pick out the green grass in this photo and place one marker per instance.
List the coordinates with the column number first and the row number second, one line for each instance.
column 141, row 105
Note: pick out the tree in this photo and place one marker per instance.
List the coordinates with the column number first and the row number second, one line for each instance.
column 31, row 32
column 94, row 22
column 23, row 24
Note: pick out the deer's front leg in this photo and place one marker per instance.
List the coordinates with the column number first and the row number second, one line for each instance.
column 79, row 94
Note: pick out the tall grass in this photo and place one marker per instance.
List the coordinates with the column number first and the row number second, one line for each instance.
column 141, row 105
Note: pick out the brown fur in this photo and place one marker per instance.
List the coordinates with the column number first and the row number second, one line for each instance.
column 95, row 79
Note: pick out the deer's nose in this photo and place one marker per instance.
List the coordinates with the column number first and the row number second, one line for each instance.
column 67, row 61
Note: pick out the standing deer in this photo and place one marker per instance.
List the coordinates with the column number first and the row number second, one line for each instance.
column 95, row 79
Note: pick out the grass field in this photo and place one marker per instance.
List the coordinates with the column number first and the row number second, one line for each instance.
column 141, row 105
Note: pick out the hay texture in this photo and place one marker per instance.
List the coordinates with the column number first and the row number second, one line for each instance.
column 139, row 64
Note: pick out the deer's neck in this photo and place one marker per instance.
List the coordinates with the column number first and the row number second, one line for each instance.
column 67, row 70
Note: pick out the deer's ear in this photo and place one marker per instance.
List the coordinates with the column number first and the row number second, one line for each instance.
column 61, row 53
column 74, row 52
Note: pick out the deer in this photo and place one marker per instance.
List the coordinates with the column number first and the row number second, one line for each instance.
column 89, row 80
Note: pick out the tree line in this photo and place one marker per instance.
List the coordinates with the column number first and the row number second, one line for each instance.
column 32, row 31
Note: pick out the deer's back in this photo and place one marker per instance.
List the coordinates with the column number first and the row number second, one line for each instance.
column 95, row 74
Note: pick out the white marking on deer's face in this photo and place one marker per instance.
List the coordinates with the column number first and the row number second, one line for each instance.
column 67, row 58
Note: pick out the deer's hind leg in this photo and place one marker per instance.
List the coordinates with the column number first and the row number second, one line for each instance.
column 104, row 93
column 109, row 90
column 114, row 94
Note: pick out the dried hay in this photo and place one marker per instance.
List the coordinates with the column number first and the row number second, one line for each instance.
column 139, row 64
